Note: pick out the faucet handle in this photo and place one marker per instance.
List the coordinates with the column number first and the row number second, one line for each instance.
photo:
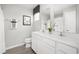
column 61, row 34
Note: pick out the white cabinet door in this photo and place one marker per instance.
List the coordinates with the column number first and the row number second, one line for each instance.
column 44, row 48
column 66, row 49
column 59, row 52
column 70, row 21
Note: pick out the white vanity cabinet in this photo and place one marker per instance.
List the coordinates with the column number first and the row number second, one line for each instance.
column 65, row 49
column 47, row 44
column 42, row 45
column 44, row 48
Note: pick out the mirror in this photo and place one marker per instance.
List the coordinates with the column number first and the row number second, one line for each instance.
column 51, row 20
column 45, row 17
column 58, row 24
column 61, row 17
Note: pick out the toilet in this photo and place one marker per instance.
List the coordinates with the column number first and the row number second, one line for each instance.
column 28, row 42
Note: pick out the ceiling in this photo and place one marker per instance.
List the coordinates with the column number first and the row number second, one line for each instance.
column 45, row 8
column 27, row 6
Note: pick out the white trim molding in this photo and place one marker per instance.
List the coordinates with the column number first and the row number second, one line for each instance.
column 15, row 46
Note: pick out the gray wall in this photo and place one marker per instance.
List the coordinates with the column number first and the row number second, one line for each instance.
column 16, row 36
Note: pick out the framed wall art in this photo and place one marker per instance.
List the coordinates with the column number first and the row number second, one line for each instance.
column 26, row 20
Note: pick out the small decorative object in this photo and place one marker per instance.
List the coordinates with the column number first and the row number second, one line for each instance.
column 50, row 29
column 13, row 23
column 49, row 26
column 26, row 20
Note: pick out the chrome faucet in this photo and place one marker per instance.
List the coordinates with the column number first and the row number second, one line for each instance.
column 61, row 34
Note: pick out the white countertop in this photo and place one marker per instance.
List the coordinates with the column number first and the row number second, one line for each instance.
column 74, row 42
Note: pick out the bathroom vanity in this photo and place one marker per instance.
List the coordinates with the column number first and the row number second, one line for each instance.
column 63, row 19
column 45, row 43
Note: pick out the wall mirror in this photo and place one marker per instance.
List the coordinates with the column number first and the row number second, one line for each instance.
column 45, row 19
column 51, row 19
column 64, row 18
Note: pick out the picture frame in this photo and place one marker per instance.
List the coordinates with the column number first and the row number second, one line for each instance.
column 26, row 20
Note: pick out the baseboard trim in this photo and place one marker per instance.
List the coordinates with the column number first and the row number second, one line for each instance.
column 15, row 46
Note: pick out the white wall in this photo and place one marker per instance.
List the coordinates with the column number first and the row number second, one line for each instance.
column 16, row 36
column 36, row 22
column 2, row 37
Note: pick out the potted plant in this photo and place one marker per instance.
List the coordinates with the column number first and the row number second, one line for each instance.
column 49, row 27
column 50, row 30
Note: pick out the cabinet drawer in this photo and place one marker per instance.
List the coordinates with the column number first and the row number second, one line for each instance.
column 59, row 52
column 66, row 48
column 44, row 48
column 49, row 42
